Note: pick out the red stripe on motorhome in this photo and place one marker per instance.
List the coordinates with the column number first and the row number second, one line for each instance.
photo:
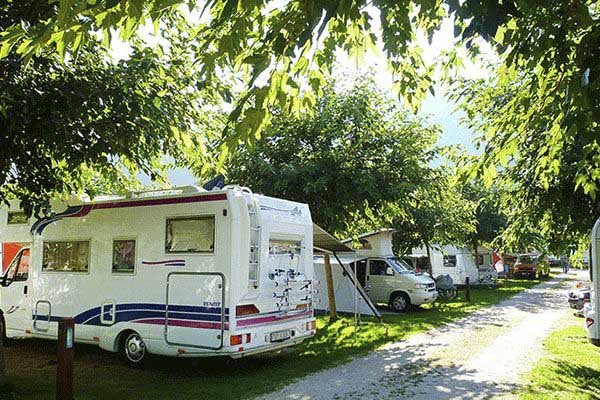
column 271, row 319
column 183, row 323
column 159, row 202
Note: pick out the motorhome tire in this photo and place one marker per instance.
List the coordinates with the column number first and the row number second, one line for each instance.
column 134, row 349
column 400, row 302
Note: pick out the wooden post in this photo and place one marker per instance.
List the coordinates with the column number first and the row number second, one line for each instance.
column 64, row 366
column 6, row 390
column 468, row 289
column 330, row 290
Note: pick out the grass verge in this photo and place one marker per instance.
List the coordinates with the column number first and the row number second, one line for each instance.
column 98, row 375
column 570, row 370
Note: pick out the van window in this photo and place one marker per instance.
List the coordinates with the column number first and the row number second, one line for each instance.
column 449, row 260
column 190, row 235
column 72, row 256
column 378, row 267
column 123, row 256
column 19, row 269
column 16, row 217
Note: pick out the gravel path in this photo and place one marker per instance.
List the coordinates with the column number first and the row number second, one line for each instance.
column 483, row 355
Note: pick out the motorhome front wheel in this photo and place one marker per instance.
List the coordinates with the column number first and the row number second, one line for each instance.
column 134, row 348
column 400, row 302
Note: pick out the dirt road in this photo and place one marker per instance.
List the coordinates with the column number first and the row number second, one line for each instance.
column 484, row 355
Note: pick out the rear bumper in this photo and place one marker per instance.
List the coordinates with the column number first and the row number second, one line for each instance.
column 259, row 341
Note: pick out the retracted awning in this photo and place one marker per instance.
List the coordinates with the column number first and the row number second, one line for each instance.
column 324, row 243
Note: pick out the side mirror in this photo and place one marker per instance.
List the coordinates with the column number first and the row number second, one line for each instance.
column 389, row 271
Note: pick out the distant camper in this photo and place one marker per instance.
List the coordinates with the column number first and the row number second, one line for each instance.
column 181, row 272
column 457, row 262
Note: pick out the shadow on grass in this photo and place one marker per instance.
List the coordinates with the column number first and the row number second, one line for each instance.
column 571, row 370
column 100, row 375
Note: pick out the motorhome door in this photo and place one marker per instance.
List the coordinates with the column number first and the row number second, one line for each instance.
column 15, row 292
column 195, row 315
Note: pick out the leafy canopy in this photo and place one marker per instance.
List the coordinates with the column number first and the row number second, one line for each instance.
column 538, row 118
column 88, row 124
column 538, row 114
column 357, row 161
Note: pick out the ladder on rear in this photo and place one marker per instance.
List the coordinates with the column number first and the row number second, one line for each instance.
column 255, row 233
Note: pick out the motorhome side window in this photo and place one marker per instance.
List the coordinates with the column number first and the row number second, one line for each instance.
column 16, row 217
column 71, row 256
column 123, row 256
column 190, row 235
column 449, row 260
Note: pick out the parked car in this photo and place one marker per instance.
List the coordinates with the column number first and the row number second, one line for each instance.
column 389, row 280
column 554, row 261
column 529, row 266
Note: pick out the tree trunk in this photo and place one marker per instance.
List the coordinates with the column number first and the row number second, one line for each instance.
column 429, row 258
column 330, row 290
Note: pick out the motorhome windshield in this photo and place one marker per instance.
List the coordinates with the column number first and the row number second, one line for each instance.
column 399, row 265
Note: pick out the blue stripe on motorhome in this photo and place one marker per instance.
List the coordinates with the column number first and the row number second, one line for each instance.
column 130, row 311
column 39, row 225
column 124, row 316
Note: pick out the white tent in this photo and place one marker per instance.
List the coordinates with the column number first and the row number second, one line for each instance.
column 350, row 296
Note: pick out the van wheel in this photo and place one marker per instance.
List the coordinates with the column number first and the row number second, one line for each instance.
column 400, row 302
column 134, row 349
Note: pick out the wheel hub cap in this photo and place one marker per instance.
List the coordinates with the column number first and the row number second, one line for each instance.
column 400, row 303
column 136, row 348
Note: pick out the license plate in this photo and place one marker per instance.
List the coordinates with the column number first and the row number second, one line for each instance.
column 280, row 336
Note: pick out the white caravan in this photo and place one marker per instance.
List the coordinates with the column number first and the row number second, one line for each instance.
column 457, row 262
column 591, row 310
column 180, row 273
column 386, row 278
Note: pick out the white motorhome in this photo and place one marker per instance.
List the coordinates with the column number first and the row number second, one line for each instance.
column 458, row 262
column 183, row 272
column 591, row 310
column 386, row 278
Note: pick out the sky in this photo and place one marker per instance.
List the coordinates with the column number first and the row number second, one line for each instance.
column 438, row 108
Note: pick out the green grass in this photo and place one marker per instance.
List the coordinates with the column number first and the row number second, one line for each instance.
column 571, row 369
column 98, row 375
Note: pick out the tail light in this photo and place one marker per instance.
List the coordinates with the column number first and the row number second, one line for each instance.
column 589, row 322
column 311, row 325
column 246, row 309
column 235, row 340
